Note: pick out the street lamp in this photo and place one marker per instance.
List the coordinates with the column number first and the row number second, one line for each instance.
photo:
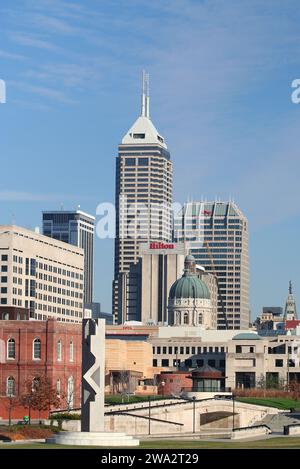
column 194, row 414
column 233, row 411
column 149, row 416
column 163, row 386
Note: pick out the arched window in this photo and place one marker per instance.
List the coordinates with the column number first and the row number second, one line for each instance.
column 10, row 386
column 58, row 387
column 59, row 350
column 5, row 316
column 71, row 351
column 200, row 318
column 36, row 352
column 70, row 393
column 186, row 318
column 35, row 383
column 18, row 316
column 11, row 349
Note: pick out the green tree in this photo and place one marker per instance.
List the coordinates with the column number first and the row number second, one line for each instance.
column 40, row 395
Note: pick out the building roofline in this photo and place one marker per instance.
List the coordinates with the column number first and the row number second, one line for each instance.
column 10, row 229
column 69, row 211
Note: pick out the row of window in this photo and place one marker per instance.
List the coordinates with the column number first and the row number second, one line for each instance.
column 37, row 350
column 57, row 270
column 158, row 350
column 189, row 363
column 11, row 388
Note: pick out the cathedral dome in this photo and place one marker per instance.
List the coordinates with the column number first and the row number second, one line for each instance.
column 189, row 286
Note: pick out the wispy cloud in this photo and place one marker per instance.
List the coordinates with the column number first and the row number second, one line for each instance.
column 33, row 105
column 19, row 196
column 30, row 40
column 50, row 24
column 67, row 74
column 49, row 93
column 9, row 55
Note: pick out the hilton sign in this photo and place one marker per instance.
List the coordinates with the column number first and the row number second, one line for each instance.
column 161, row 246
column 158, row 247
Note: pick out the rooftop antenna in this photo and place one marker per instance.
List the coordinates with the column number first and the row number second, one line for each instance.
column 290, row 288
column 61, row 206
column 145, row 95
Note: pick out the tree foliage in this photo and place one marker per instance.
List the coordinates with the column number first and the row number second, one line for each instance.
column 40, row 394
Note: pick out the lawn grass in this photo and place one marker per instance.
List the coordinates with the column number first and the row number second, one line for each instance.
column 271, row 443
column 279, row 402
column 116, row 399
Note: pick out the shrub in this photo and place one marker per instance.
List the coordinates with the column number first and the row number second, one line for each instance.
column 65, row 416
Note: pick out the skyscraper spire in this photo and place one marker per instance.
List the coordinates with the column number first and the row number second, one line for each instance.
column 290, row 312
column 145, row 95
column 143, row 130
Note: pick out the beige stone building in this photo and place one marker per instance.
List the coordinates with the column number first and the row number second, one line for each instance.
column 131, row 355
column 128, row 363
column 41, row 275
column 252, row 360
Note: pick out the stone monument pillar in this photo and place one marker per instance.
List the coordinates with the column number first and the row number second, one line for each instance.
column 93, row 375
column 92, row 394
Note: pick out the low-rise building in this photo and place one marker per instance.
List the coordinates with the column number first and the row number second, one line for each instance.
column 32, row 349
column 43, row 275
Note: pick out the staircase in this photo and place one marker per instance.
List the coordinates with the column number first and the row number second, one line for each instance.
column 278, row 421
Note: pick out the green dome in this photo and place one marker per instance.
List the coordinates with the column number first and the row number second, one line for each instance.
column 246, row 336
column 189, row 286
column 190, row 258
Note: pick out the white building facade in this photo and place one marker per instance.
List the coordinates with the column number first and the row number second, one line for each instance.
column 41, row 274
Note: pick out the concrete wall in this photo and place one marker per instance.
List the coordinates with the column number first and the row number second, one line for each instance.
column 244, row 415
column 249, row 432
column 172, row 419
column 139, row 426
column 292, row 429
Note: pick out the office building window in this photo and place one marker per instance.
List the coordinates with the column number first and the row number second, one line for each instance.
column 278, row 362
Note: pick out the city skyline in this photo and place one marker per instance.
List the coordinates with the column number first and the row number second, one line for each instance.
column 231, row 128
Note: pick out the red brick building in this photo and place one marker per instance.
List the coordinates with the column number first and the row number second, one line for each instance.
column 172, row 382
column 29, row 349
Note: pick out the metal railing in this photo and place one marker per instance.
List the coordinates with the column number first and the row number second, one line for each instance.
column 206, row 389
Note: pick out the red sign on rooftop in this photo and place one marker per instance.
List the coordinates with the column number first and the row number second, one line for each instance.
column 161, row 246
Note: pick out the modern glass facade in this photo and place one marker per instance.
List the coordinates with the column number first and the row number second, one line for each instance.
column 217, row 235
column 77, row 228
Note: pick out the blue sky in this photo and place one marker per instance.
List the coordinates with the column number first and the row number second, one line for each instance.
column 220, row 80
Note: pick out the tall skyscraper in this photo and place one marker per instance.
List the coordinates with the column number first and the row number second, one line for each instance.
column 290, row 311
column 143, row 192
column 217, row 235
column 77, row 228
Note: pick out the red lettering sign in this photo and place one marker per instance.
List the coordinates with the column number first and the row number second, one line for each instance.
column 161, row 246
